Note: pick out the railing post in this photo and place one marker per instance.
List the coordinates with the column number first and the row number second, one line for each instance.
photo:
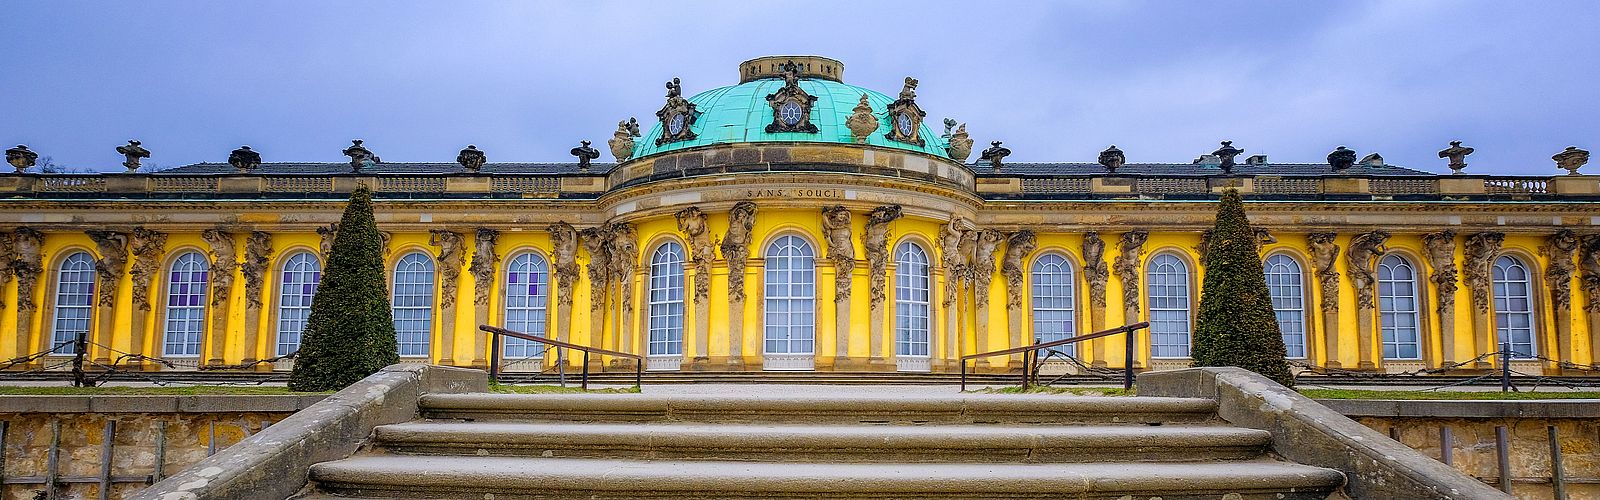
column 1027, row 365
column 561, row 366
column 963, row 373
column 80, row 345
column 1127, row 360
column 585, row 380
column 494, row 357
column 638, row 375
column 1505, row 367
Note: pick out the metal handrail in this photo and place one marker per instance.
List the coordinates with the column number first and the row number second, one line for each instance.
column 494, row 353
column 1031, row 351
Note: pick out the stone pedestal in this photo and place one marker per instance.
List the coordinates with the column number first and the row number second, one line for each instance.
column 1364, row 333
column 1330, row 338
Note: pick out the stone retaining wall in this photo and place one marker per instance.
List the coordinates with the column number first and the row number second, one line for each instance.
column 172, row 431
column 1472, row 426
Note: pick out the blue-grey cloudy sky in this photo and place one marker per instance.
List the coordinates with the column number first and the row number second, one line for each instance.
column 1163, row 80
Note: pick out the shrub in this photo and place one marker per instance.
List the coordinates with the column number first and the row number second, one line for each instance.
column 1236, row 325
column 350, row 332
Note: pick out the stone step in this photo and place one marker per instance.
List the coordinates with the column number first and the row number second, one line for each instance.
column 856, row 443
column 790, row 408
column 508, row 478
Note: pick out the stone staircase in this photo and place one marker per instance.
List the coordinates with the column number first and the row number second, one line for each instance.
column 502, row 446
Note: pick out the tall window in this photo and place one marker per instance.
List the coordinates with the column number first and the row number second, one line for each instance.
column 1397, row 308
column 301, row 274
column 1287, row 286
column 1169, row 306
column 527, row 297
column 186, row 305
column 413, row 303
column 1513, row 306
column 791, row 296
column 1054, row 317
column 74, row 302
column 911, row 300
column 666, row 300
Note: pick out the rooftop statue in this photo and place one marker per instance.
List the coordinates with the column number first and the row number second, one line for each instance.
column 1342, row 158
column 995, row 155
column 677, row 116
column 959, row 145
column 622, row 140
column 132, row 152
column 1457, row 155
column 244, row 159
column 471, row 158
column 1226, row 153
column 584, row 154
column 949, row 124
column 1113, row 159
column 905, row 117
column 791, row 105
column 21, row 158
column 862, row 122
column 909, row 91
column 360, row 156
column 1571, row 159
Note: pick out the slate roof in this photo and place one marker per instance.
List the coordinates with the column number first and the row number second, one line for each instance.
column 313, row 169
column 1181, row 169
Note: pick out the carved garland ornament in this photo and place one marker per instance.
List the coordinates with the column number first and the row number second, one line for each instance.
column 875, row 240
column 1130, row 249
column 596, row 241
column 1324, row 255
column 1441, row 247
column 988, row 242
column 27, row 243
column 1589, row 261
column 791, row 105
column 1482, row 248
column 1014, row 265
column 257, row 258
column 905, row 117
column 736, row 246
column 1094, row 267
column 224, row 259
column 836, row 229
column 1364, row 250
column 113, row 247
column 484, row 260
column 149, row 248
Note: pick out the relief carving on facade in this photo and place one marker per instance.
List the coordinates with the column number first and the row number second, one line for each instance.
column 1441, row 247
column 875, row 240
column 384, row 237
column 677, row 116
column 113, row 247
column 450, row 259
column 564, row 250
column 1589, row 261
column 988, row 241
column 692, row 223
column 736, row 246
column 1324, row 256
column 149, row 248
column 28, row 247
column 224, row 259
column 1130, row 249
column 7, row 255
column 791, row 105
column 597, row 240
column 1364, row 250
column 905, row 117
column 1481, row 250
column 1015, row 266
column 954, row 257
column 623, row 253
column 836, row 228
column 484, row 262
column 1094, row 267
column 1559, row 248
column 327, row 234
column 257, row 259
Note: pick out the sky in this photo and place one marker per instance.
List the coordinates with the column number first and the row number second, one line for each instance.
column 1164, row 81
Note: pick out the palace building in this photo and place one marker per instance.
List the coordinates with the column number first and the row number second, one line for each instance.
column 794, row 221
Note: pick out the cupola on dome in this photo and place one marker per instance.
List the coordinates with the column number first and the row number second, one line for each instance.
column 765, row 107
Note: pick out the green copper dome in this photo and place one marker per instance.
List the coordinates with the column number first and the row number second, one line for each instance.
column 740, row 113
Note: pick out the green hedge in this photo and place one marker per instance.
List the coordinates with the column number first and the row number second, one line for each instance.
column 350, row 333
column 1236, row 325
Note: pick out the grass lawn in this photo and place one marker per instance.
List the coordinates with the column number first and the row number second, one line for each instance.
column 1443, row 395
column 556, row 389
column 189, row 390
column 1072, row 391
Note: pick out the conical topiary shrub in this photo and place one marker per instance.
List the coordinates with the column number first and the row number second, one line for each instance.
column 1237, row 326
column 350, row 333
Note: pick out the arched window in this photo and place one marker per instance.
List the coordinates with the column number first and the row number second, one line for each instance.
column 1054, row 317
column 74, row 302
column 666, row 300
column 1397, row 308
column 1286, row 285
column 791, row 295
column 301, row 274
column 186, row 305
column 1169, row 306
column 911, row 300
column 527, row 297
column 1513, row 306
column 413, row 303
